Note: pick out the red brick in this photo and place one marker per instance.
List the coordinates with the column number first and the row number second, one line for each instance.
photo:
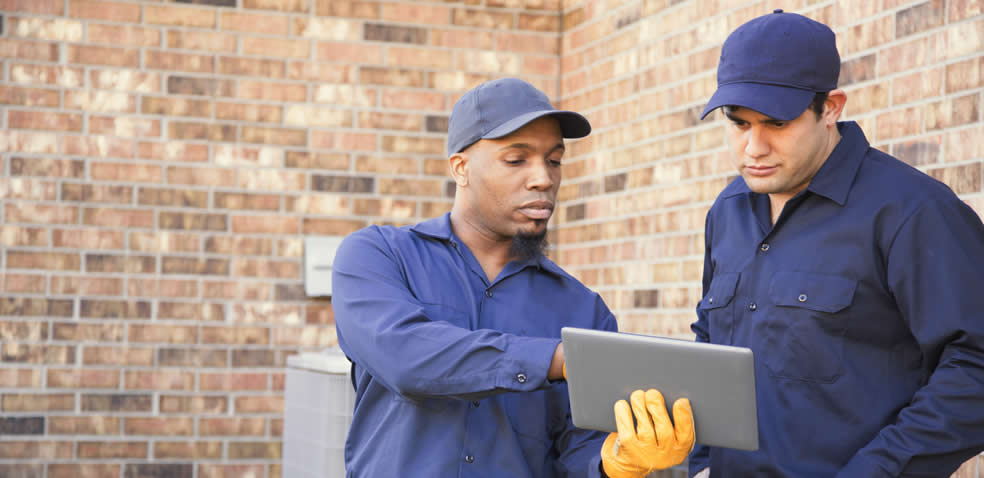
column 198, row 358
column 159, row 380
column 88, row 470
column 74, row 378
column 117, row 403
column 268, row 91
column 43, row 7
column 266, row 313
column 267, row 202
column 344, row 52
column 965, row 179
column 97, row 146
column 281, row 136
column 230, row 471
column 187, row 450
column 205, row 312
column 332, row 226
column 199, row 40
column 173, row 151
column 13, row 402
column 114, row 309
column 255, row 23
column 260, row 404
column 113, row 449
column 201, row 176
column 22, row 283
column 321, row 72
column 100, row 102
column 192, row 221
column 343, row 141
column 172, row 426
column 48, row 450
column 305, row 160
column 197, row 404
column 100, row 55
column 235, row 290
column 417, row 13
column 254, row 113
column 187, row 85
column 238, row 426
column 266, row 268
column 71, row 285
column 164, row 242
column 43, row 260
column 228, row 155
column 194, row 266
column 322, row 204
column 125, row 172
column 414, row 100
column 90, row 425
column 263, row 224
column 899, row 123
column 463, row 38
column 97, row 193
column 236, row 335
column 28, row 50
column 253, row 358
column 252, row 67
column 126, row 218
column 180, row 16
column 174, row 197
column 84, row 332
column 319, row 315
column 169, row 61
column 202, row 131
column 276, row 47
column 112, row 11
column 389, row 165
column 23, row 236
column 169, row 334
column 161, row 288
column 117, row 356
column 260, row 450
column 123, row 35
column 11, row 95
column 40, row 214
column 20, row 378
column 232, row 381
column 953, row 112
column 312, row 336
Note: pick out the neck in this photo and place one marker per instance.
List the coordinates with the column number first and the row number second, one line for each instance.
column 778, row 200
column 491, row 250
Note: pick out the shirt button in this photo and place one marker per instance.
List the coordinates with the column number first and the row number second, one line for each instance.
column 710, row 300
column 764, row 247
column 469, row 459
column 488, row 293
column 454, row 245
column 802, row 298
column 521, row 378
column 752, row 306
column 475, row 403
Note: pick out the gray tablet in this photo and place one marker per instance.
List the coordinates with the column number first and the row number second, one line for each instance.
column 604, row 367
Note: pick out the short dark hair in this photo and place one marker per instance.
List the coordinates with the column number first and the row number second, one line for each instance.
column 817, row 104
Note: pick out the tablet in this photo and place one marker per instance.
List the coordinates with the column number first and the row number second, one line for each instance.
column 604, row 367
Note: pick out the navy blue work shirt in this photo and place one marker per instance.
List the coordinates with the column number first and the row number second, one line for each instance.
column 864, row 306
column 451, row 369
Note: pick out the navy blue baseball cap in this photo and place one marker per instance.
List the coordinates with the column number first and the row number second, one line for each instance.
column 775, row 64
column 499, row 107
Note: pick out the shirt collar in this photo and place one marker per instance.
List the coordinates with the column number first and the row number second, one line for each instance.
column 835, row 178
column 440, row 228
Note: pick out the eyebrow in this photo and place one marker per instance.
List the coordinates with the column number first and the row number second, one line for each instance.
column 529, row 147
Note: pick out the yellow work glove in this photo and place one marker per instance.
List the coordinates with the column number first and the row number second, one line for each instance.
column 651, row 443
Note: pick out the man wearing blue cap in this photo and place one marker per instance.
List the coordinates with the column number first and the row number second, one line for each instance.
column 454, row 324
column 857, row 280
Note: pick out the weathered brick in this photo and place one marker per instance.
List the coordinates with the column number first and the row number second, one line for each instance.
column 270, row 91
column 538, row 22
column 324, row 73
column 252, row 359
column 175, row 357
column 228, row 381
column 96, row 193
column 87, row 425
column 170, row 61
column 195, row 266
column 963, row 179
column 176, row 106
column 323, row 204
column 111, row 11
column 58, row 29
column 112, row 449
column 251, row 67
column 961, row 9
column 201, row 176
column 101, row 55
column 267, row 450
column 99, row 102
column 281, row 136
column 483, row 19
column 173, row 197
column 276, row 47
column 463, row 38
column 75, row 378
column 319, row 315
column 953, row 112
column 416, row 13
column 393, row 33
column 345, row 95
column 87, row 470
column 388, row 207
column 332, row 227
column 126, row 35
column 23, row 331
column 411, row 187
column 192, row 221
column 312, row 336
column 23, row 283
column 163, row 241
column 28, row 96
column 255, row 23
column 306, row 160
column 899, row 123
column 919, row 18
column 180, row 16
column 13, row 402
column 75, row 332
column 29, row 50
column 191, row 310
column 43, row 260
column 236, row 426
column 413, row 144
column 391, row 77
column 340, row 29
column 43, row 7
column 114, row 309
column 159, row 380
column 186, row 85
column 254, row 113
column 343, row 141
column 23, row 236
column 414, row 100
column 857, row 70
column 266, row 313
column 197, row 404
column 229, row 471
column 267, row 202
column 25, row 470
column 247, row 246
column 21, row 426
column 235, row 335
column 118, row 356
column 125, row 80
column 40, row 214
column 86, row 285
column 343, row 184
column 117, row 403
column 201, row 40
column 64, row 76
column 48, row 450
column 119, row 263
column 162, row 288
column 918, row 152
column 199, row 450
column 264, row 224
column 127, row 218
column 296, row 6
column 44, row 120
column 172, row 426
column 202, row 131
column 125, row 127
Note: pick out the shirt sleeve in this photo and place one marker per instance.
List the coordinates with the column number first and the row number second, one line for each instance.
column 579, row 449
column 700, row 457
column 383, row 328
column 935, row 270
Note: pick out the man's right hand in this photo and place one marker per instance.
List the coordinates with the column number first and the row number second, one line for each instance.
column 652, row 442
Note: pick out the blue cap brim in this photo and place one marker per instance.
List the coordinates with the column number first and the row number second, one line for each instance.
column 779, row 102
column 572, row 125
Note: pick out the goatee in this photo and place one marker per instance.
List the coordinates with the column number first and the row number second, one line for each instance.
column 526, row 246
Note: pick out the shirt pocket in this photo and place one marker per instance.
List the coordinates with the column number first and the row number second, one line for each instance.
column 804, row 333
column 716, row 306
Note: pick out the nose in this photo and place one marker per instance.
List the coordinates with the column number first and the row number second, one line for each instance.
column 540, row 178
column 756, row 144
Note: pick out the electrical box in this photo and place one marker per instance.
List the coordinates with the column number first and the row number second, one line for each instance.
column 319, row 255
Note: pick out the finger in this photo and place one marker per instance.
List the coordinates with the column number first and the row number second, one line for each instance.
column 565, row 370
column 661, row 420
column 623, row 421
column 683, row 420
column 644, row 424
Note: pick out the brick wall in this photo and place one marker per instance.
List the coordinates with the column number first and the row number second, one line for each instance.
column 161, row 163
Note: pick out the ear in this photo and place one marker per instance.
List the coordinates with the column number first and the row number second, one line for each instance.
column 834, row 106
column 458, row 168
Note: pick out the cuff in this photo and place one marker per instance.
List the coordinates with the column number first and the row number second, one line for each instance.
column 528, row 363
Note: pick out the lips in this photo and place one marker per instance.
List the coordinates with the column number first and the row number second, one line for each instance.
column 760, row 171
column 537, row 210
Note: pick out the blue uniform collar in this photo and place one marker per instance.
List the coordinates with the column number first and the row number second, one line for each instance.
column 440, row 228
column 836, row 177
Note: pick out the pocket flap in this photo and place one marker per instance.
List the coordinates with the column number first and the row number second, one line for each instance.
column 820, row 292
column 722, row 290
